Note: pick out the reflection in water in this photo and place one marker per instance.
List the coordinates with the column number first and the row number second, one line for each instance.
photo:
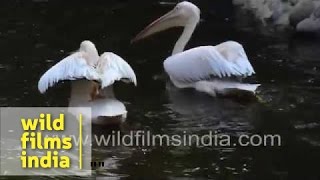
column 104, row 111
column 198, row 111
column 13, row 151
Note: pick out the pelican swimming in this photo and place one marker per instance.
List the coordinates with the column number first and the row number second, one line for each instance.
column 275, row 11
column 92, row 79
column 311, row 23
column 303, row 15
column 195, row 68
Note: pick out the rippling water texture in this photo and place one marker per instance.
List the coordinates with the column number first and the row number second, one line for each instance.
column 35, row 35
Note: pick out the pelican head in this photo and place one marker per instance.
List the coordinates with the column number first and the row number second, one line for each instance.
column 91, row 51
column 184, row 14
column 87, row 46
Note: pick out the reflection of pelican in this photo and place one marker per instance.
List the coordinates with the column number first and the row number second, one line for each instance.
column 102, row 72
column 192, row 68
column 195, row 112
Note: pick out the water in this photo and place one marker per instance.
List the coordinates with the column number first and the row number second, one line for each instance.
column 34, row 35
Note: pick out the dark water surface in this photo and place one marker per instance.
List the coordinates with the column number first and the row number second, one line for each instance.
column 287, row 67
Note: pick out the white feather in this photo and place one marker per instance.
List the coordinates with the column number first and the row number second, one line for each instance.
column 311, row 24
column 113, row 68
column 70, row 68
column 224, row 87
column 86, row 64
column 110, row 68
column 225, row 60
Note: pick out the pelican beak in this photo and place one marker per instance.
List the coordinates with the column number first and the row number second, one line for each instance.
column 169, row 20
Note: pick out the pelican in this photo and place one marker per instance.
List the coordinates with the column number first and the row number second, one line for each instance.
column 275, row 10
column 195, row 68
column 311, row 23
column 92, row 79
column 303, row 15
column 300, row 11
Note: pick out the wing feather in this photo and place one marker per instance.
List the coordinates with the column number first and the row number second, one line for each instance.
column 113, row 68
column 70, row 68
column 225, row 60
column 316, row 13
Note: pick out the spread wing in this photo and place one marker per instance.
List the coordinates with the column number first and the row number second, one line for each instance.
column 225, row 60
column 70, row 68
column 113, row 68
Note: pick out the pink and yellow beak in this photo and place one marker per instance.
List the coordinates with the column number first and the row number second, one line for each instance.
column 169, row 20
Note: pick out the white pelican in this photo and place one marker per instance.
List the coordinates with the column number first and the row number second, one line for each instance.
column 311, row 23
column 300, row 11
column 303, row 15
column 275, row 10
column 93, row 79
column 195, row 67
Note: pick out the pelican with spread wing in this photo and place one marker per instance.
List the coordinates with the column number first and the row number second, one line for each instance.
column 92, row 79
column 196, row 68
